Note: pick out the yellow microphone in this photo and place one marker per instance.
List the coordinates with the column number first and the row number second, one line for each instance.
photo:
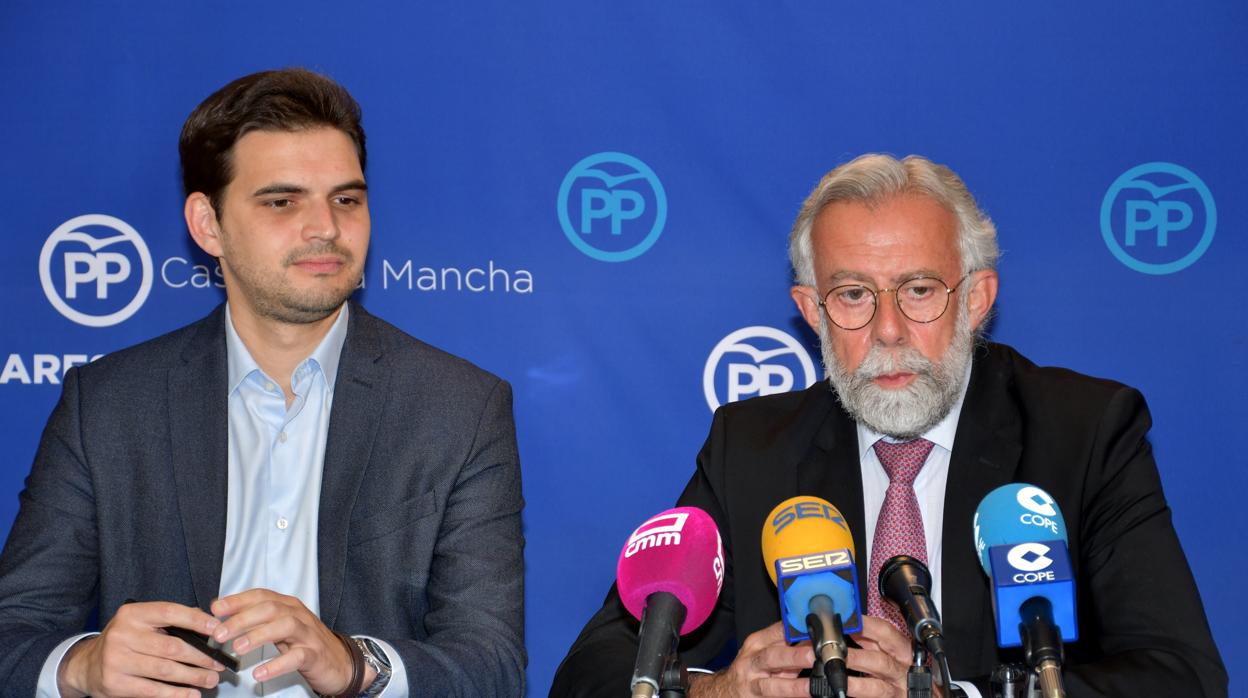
column 803, row 525
column 809, row 553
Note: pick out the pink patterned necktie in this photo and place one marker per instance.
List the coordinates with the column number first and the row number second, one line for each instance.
column 899, row 529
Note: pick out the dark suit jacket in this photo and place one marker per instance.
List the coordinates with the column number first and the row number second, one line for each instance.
column 419, row 539
column 1143, row 629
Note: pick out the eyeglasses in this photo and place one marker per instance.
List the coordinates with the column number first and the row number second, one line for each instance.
column 922, row 299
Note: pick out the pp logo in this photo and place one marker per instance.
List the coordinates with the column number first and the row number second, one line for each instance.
column 93, row 258
column 1158, row 218
column 1029, row 557
column 612, row 207
column 1036, row 500
column 767, row 361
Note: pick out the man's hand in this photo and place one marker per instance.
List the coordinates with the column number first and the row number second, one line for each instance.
column 765, row 666
column 258, row 617
column 884, row 659
column 133, row 657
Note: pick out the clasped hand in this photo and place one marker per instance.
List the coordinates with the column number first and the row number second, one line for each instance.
column 132, row 656
column 766, row 665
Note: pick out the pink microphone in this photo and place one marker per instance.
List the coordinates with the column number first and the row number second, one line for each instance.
column 669, row 577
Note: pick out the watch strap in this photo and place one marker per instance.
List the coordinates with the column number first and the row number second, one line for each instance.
column 357, row 667
column 375, row 657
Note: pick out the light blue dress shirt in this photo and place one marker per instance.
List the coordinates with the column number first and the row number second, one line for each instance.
column 276, row 454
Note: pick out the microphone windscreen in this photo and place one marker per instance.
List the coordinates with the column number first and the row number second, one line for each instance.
column 799, row 595
column 802, row 526
column 678, row 551
column 1016, row 513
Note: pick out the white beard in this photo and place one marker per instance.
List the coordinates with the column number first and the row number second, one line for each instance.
column 907, row 412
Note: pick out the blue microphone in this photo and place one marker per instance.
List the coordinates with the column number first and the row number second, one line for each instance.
column 1020, row 536
column 1016, row 513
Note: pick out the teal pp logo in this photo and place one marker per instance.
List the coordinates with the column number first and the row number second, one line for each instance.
column 612, row 207
column 1158, row 218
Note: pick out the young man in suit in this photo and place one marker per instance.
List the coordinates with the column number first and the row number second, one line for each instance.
column 330, row 499
column 895, row 269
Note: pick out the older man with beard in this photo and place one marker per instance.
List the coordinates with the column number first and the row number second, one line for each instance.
column 895, row 268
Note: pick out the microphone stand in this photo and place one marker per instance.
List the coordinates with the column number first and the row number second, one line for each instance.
column 1011, row 681
column 942, row 676
column 675, row 680
column 827, row 637
column 919, row 678
column 819, row 687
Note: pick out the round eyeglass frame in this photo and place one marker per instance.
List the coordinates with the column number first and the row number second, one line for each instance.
column 875, row 302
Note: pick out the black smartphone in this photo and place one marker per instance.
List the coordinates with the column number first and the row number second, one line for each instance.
column 201, row 643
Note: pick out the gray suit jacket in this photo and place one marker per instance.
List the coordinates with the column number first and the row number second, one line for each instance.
column 419, row 527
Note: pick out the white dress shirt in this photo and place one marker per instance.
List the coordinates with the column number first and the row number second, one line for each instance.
column 929, row 489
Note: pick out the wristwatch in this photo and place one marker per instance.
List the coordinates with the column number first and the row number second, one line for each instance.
column 376, row 658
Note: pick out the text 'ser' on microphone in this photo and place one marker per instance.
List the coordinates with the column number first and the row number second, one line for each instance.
column 1020, row 536
column 809, row 553
column 669, row 577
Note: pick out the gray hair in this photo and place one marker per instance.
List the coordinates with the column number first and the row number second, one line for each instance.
column 874, row 178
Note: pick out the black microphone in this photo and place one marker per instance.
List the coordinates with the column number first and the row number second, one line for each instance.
column 1042, row 642
column 906, row 582
column 658, row 637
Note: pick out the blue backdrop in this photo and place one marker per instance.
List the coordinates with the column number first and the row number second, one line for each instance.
column 586, row 198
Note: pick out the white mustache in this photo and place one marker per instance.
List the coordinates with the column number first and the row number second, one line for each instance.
column 879, row 362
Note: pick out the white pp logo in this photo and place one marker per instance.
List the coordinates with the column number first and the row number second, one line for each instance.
column 1029, row 557
column 1037, row 501
column 770, row 368
column 90, row 267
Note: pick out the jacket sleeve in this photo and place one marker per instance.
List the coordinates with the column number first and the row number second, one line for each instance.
column 475, row 623
column 49, row 567
column 1143, row 627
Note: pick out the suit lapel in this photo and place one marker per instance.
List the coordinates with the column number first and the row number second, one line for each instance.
column 199, row 446
column 985, row 455
column 359, row 395
column 831, row 471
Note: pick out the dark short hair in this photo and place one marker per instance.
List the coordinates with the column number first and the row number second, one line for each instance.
column 292, row 99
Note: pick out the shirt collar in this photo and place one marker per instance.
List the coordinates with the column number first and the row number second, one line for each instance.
column 326, row 355
column 942, row 434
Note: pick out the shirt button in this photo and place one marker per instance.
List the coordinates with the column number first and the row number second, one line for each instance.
column 282, row 437
column 270, row 387
column 282, row 523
